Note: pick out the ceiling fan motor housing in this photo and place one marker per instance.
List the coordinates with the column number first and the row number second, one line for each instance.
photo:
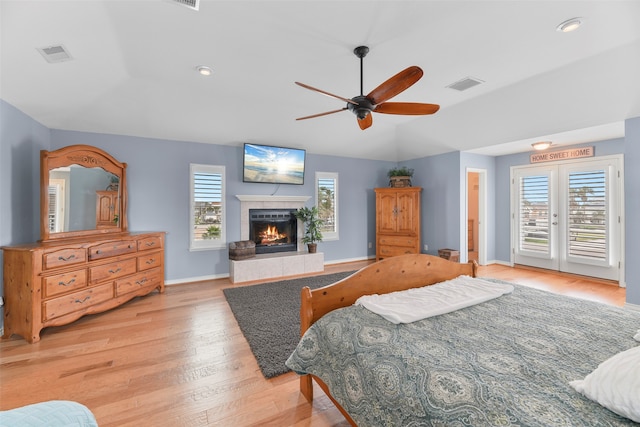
column 363, row 108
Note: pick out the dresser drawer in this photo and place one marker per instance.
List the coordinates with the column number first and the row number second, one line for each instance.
column 66, row 282
column 148, row 243
column 63, row 257
column 398, row 241
column 76, row 301
column 389, row 251
column 110, row 249
column 145, row 280
column 112, row 270
column 148, row 261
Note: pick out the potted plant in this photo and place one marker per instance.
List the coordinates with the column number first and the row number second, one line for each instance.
column 400, row 176
column 312, row 224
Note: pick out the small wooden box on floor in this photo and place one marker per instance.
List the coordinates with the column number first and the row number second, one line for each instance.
column 280, row 264
column 450, row 254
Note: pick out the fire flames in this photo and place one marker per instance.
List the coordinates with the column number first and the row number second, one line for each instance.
column 270, row 235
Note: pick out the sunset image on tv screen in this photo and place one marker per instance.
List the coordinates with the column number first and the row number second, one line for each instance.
column 268, row 164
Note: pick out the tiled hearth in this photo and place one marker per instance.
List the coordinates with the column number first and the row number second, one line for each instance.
column 282, row 264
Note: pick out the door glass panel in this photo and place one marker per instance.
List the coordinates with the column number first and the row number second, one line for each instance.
column 534, row 214
column 587, row 216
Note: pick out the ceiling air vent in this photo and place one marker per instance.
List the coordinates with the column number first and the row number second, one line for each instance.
column 191, row 4
column 55, row 53
column 464, row 84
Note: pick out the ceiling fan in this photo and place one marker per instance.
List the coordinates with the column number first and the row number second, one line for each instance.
column 362, row 106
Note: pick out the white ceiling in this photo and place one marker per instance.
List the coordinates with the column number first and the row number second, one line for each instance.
column 133, row 71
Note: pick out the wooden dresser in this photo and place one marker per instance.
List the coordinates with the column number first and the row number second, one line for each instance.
column 397, row 221
column 57, row 282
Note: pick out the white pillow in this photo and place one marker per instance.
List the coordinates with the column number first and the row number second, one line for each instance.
column 615, row 384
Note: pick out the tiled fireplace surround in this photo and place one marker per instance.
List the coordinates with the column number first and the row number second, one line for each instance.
column 280, row 264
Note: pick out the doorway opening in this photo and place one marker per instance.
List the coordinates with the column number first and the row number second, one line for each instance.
column 474, row 227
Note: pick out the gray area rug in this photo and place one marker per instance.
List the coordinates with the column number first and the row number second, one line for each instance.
column 269, row 317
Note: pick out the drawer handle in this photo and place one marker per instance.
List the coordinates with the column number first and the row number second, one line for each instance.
column 141, row 282
column 151, row 261
column 82, row 300
column 98, row 251
column 129, row 246
column 115, row 271
column 66, row 284
column 70, row 257
column 150, row 243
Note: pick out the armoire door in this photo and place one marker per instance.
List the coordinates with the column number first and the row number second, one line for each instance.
column 407, row 212
column 387, row 215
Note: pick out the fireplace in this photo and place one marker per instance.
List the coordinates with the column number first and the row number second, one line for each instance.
column 273, row 230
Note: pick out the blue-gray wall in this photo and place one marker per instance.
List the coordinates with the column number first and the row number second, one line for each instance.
column 21, row 139
column 438, row 176
column 632, row 208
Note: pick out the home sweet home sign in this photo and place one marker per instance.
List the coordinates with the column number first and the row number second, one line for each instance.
column 573, row 153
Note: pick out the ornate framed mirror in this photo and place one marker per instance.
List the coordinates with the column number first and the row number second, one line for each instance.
column 83, row 192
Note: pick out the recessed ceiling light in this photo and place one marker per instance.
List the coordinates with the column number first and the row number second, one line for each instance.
column 204, row 70
column 542, row 145
column 569, row 25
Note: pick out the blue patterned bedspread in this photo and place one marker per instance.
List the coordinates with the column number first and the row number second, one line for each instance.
column 505, row 362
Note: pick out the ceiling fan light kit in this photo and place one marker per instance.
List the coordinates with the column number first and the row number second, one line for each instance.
column 376, row 101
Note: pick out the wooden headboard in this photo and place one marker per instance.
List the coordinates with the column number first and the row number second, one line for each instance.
column 389, row 275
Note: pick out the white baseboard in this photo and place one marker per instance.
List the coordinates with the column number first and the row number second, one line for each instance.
column 195, row 279
column 497, row 261
column 342, row 261
column 634, row 307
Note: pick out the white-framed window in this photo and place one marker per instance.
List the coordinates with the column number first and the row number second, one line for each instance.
column 207, row 211
column 327, row 203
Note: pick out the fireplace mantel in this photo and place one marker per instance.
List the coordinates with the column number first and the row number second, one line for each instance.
column 263, row 198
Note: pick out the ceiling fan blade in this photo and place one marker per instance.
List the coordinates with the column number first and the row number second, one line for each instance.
column 396, row 84
column 366, row 122
column 406, row 108
column 321, row 114
column 326, row 93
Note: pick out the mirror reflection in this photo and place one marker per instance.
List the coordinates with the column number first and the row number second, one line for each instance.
column 82, row 198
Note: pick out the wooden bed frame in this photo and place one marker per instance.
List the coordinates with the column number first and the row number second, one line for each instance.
column 389, row 275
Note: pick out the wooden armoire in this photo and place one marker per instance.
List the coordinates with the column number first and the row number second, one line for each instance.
column 397, row 221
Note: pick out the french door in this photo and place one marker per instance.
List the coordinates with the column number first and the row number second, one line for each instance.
column 567, row 217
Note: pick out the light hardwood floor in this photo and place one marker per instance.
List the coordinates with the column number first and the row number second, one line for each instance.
column 179, row 359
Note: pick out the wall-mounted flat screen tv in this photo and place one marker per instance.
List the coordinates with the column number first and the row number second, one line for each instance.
column 273, row 165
